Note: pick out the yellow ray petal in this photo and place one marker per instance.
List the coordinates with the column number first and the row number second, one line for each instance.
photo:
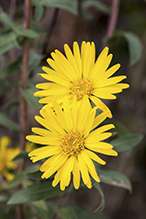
column 84, row 172
column 66, row 172
column 42, row 140
column 110, row 81
column 44, row 154
column 71, row 59
column 90, row 165
column 97, row 138
column 101, row 129
column 95, row 146
column 101, row 105
column 55, row 165
column 77, row 58
column 99, row 119
column 64, row 65
column 93, row 156
column 107, row 152
column 76, row 174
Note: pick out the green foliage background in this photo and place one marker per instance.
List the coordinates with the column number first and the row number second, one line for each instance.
column 53, row 23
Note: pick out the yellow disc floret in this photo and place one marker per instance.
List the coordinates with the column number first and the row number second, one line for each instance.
column 80, row 88
column 72, row 143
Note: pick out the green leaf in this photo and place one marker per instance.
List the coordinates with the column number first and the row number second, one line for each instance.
column 102, row 204
column 28, row 33
column 8, row 22
column 35, row 175
column 32, row 169
column 69, row 5
column 18, row 30
column 135, row 46
column 28, row 95
column 120, row 128
column 39, row 11
column 17, row 180
column 5, row 121
column 7, row 42
column 74, row 212
column 35, row 192
column 97, row 4
column 21, row 155
column 115, row 179
column 34, row 60
column 67, row 213
column 126, row 142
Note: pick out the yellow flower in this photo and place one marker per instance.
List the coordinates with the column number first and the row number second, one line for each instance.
column 78, row 74
column 70, row 140
column 6, row 156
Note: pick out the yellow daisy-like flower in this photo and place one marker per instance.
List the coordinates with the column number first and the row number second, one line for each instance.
column 71, row 140
column 6, row 156
column 78, row 74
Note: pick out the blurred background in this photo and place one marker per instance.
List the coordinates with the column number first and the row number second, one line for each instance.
column 87, row 20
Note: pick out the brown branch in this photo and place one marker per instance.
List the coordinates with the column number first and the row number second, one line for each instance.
column 113, row 18
column 23, row 85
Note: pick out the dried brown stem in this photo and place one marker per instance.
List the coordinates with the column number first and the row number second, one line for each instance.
column 113, row 18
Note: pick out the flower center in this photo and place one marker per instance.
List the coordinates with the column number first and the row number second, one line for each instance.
column 72, row 143
column 80, row 88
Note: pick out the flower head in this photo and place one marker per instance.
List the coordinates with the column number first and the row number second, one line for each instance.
column 6, row 156
column 78, row 75
column 71, row 141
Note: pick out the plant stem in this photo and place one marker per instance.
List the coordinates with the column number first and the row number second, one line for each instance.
column 12, row 8
column 61, row 201
column 23, row 85
column 113, row 18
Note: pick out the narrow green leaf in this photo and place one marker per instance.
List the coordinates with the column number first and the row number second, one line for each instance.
column 35, row 192
column 32, row 169
column 39, row 11
column 21, row 155
column 69, row 5
column 126, row 142
column 17, row 180
column 34, row 60
column 135, row 46
column 8, row 22
column 7, row 42
column 28, row 95
column 28, row 33
column 115, row 179
column 5, row 121
column 102, row 204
